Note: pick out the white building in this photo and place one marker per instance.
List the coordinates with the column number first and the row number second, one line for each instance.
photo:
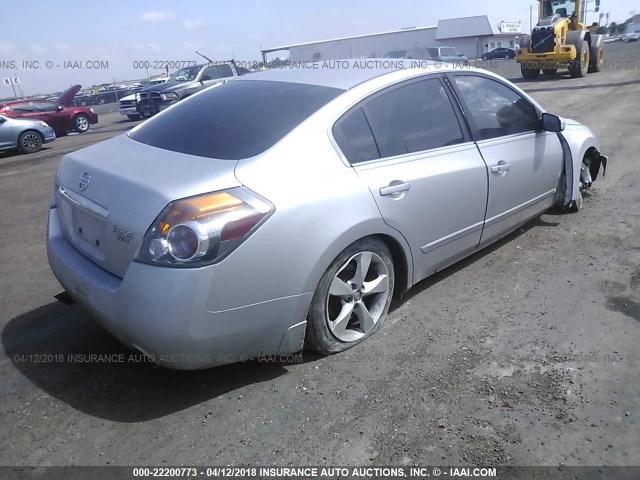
column 472, row 36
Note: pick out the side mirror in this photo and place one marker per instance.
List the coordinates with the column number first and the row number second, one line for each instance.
column 552, row 123
column 205, row 77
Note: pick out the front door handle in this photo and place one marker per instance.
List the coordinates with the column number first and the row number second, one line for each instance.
column 502, row 167
column 394, row 189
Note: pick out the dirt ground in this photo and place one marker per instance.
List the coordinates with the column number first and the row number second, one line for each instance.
column 527, row 353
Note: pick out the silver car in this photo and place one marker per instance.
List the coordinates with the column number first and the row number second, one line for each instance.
column 284, row 209
column 28, row 136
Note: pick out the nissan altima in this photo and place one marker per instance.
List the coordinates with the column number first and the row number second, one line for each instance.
column 284, row 209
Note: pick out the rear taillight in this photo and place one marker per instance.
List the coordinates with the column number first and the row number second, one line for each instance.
column 202, row 230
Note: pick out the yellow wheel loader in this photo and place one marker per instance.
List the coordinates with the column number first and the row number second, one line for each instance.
column 561, row 40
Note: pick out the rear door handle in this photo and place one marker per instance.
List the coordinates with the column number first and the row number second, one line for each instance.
column 501, row 168
column 394, row 189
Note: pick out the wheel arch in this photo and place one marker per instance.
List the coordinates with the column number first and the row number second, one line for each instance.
column 33, row 130
column 397, row 244
column 577, row 143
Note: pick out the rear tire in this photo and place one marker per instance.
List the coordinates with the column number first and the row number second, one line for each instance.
column 580, row 66
column 529, row 73
column 30, row 142
column 352, row 298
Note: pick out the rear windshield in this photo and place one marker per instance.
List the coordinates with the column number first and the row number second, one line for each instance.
column 236, row 120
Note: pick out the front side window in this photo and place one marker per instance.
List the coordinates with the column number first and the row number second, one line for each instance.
column 45, row 106
column 413, row 118
column 496, row 109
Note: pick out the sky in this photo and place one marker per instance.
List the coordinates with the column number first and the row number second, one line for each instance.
column 115, row 36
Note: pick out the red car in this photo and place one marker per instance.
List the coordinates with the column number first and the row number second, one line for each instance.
column 59, row 115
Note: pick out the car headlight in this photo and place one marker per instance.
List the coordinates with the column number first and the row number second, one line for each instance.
column 92, row 110
column 201, row 230
column 169, row 96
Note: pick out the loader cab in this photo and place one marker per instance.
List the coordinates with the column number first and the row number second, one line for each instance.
column 562, row 8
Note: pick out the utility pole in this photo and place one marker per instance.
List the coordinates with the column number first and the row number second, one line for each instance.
column 530, row 19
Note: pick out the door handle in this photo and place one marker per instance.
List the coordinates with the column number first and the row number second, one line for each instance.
column 394, row 188
column 501, row 168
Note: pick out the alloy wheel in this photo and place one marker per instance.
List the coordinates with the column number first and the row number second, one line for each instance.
column 357, row 296
column 82, row 123
column 31, row 142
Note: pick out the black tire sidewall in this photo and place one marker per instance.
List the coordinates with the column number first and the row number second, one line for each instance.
column 318, row 336
column 21, row 138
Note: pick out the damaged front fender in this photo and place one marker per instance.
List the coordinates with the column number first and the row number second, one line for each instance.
column 582, row 159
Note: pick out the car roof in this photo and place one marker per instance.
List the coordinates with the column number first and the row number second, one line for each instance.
column 342, row 74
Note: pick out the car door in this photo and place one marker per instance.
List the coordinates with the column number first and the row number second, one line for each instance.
column 410, row 147
column 49, row 112
column 524, row 162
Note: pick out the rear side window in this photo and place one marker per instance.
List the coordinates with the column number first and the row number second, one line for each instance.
column 412, row 118
column 496, row 109
column 235, row 120
column 218, row 71
column 22, row 107
column 353, row 135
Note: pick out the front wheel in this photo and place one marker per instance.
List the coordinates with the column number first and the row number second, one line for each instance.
column 529, row 73
column 30, row 142
column 352, row 298
column 81, row 123
column 580, row 66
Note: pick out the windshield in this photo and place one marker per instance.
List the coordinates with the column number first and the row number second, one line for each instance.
column 564, row 8
column 185, row 74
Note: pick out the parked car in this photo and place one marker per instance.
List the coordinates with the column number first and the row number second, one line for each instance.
column 633, row 37
column 447, row 55
column 285, row 208
column 499, row 53
column 416, row 53
column 182, row 84
column 59, row 115
column 28, row 136
column 127, row 105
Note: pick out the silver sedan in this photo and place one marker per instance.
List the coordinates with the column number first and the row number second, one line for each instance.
column 284, row 209
column 28, row 136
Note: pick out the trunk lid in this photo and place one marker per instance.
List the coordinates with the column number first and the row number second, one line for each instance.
column 109, row 194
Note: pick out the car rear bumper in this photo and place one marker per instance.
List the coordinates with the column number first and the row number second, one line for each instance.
column 163, row 311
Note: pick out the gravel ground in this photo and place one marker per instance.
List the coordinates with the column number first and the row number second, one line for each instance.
column 524, row 354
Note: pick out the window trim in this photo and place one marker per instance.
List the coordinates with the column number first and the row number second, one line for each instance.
column 467, row 136
column 451, row 77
